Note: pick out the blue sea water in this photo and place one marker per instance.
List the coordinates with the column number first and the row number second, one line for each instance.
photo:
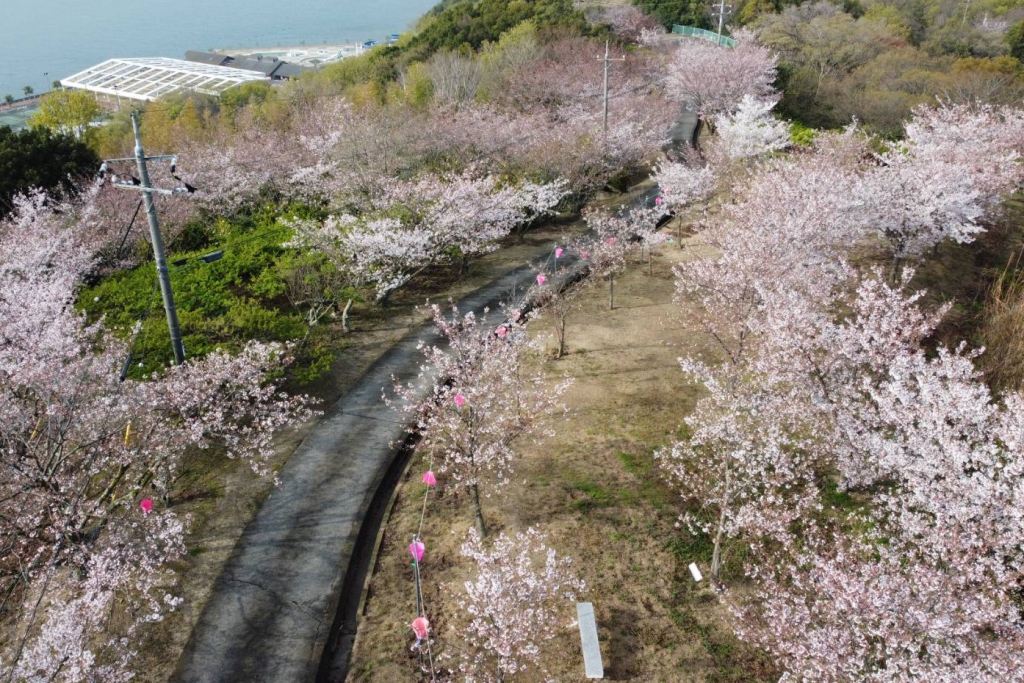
column 44, row 40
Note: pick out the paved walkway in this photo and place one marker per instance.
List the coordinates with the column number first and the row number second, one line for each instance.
column 270, row 612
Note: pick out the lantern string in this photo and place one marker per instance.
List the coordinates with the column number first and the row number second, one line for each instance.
column 421, row 608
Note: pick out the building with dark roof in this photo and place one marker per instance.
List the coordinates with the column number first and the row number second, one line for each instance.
column 271, row 67
column 212, row 58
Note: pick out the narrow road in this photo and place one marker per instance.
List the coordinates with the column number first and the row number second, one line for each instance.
column 271, row 611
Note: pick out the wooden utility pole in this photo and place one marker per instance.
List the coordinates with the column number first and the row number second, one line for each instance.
column 607, row 59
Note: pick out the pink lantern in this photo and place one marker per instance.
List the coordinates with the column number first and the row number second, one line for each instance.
column 541, row 279
column 610, row 240
column 417, row 549
column 460, row 401
column 559, row 252
column 429, row 479
column 147, row 505
column 516, row 315
column 658, row 201
column 421, row 627
column 502, row 331
column 586, row 254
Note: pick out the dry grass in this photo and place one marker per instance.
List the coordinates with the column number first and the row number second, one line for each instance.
column 1002, row 333
column 596, row 491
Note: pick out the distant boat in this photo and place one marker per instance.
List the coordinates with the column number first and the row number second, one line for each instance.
column 371, row 43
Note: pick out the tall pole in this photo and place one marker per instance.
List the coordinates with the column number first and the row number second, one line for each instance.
column 158, row 246
column 722, row 9
column 607, row 59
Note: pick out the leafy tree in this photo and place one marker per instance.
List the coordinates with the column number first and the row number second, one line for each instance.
column 1015, row 39
column 28, row 90
column 685, row 12
column 39, row 158
column 9, row 98
column 66, row 111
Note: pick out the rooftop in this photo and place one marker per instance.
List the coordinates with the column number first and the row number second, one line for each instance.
column 148, row 78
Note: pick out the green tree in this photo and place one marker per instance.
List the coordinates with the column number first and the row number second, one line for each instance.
column 9, row 98
column 66, row 111
column 684, row 12
column 28, row 90
column 1015, row 39
column 39, row 158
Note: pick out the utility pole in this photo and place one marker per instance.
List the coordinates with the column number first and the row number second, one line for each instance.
column 607, row 59
column 722, row 9
column 142, row 184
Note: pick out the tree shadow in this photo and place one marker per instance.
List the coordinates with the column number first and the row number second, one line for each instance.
column 619, row 644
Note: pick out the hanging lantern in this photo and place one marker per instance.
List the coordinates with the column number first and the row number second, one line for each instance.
column 429, row 479
column 610, row 240
column 502, row 331
column 460, row 401
column 658, row 201
column 416, row 548
column 146, row 504
column 558, row 252
column 586, row 254
column 421, row 627
column 541, row 279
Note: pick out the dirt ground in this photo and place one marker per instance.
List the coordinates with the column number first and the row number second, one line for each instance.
column 596, row 491
column 222, row 495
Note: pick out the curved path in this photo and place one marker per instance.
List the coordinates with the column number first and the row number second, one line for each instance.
column 273, row 615
column 271, row 610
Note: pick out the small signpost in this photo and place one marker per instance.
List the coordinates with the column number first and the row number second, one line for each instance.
column 592, row 663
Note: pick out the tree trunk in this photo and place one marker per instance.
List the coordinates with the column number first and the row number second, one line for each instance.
column 344, row 316
column 478, row 511
column 611, row 292
column 560, row 326
column 650, row 261
column 716, row 556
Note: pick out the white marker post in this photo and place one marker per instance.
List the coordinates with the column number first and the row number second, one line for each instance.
column 697, row 576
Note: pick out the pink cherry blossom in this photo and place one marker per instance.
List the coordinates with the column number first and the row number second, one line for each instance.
column 521, row 597
column 477, row 447
column 502, row 331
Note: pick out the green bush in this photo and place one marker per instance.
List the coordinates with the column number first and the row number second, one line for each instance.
column 222, row 304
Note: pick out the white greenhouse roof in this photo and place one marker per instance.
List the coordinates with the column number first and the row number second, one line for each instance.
column 147, row 78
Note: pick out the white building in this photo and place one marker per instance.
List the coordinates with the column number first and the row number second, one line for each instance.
column 148, row 78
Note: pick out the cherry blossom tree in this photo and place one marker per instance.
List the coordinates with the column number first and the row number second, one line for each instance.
column 79, row 448
column 714, row 79
column 751, row 130
column 405, row 226
column 482, row 397
column 924, row 586
column 685, row 183
column 521, row 597
column 938, row 185
column 626, row 21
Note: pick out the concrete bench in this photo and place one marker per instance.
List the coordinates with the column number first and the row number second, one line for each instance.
column 592, row 663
